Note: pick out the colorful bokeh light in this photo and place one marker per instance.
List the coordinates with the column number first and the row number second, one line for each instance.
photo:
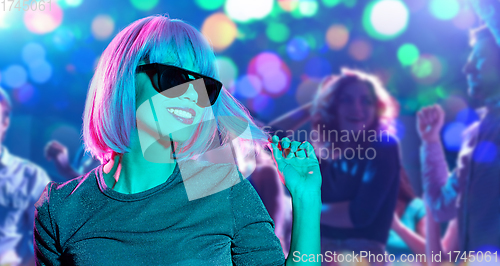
column 248, row 86
column 14, row 76
column 4, row 14
column 144, row 5
column 277, row 32
column 308, row 8
column 297, row 49
column 427, row 69
column 408, row 54
column 228, row 71
column 220, row 30
column 26, row 94
column 466, row 19
column 40, row 71
column 288, row 5
column 33, row 52
column 272, row 71
column 41, row 22
column 360, row 49
column 102, row 27
column 210, row 4
column 248, row 10
column 331, row 3
column 71, row 3
column 385, row 19
column 444, row 9
column 452, row 135
column 337, row 37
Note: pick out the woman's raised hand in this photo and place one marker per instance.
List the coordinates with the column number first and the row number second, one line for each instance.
column 297, row 165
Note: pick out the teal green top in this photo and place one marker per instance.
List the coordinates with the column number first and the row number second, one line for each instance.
column 412, row 215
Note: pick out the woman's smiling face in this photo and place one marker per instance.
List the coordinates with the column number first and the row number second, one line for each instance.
column 161, row 115
column 356, row 109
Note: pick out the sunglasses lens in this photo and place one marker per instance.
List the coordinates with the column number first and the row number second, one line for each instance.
column 175, row 82
column 172, row 83
column 212, row 90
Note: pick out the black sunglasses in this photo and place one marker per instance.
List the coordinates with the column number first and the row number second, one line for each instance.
column 171, row 79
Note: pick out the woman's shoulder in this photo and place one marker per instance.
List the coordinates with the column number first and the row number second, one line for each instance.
column 58, row 193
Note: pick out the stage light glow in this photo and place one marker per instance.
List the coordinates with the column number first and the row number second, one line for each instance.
column 102, row 27
column 277, row 32
column 247, row 10
column 385, row 19
column 408, row 54
column 220, row 30
column 144, row 5
column 41, row 22
column 297, row 49
column 360, row 50
column 40, row 71
column 14, row 76
column 337, row 37
column 452, row 135
column 466, row 19
column 248, row 86
column 331, row 3
column 308, row 8
column 228, row 71
column 444, row 9
column 210, row 4
column 32, row 52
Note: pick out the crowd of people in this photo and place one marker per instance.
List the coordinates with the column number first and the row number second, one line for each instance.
column 138, row 192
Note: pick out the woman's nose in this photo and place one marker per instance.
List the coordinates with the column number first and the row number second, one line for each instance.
column 191, row 94
column 358, row 107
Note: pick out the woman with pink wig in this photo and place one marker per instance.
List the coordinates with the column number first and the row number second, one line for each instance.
column 154, row 110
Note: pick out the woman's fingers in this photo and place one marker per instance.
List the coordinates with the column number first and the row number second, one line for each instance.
column 291, row 149
column 275, row 149
column 309, row 150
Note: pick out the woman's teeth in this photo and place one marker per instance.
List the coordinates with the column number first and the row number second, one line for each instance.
column 180, row 113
